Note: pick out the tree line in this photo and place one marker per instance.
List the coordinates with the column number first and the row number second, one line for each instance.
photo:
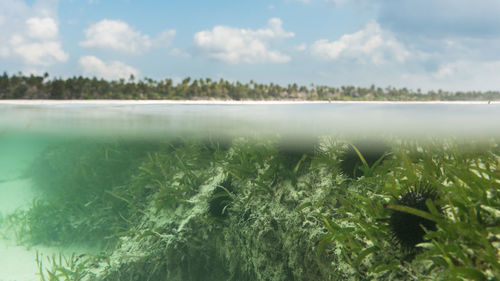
column 19, row 86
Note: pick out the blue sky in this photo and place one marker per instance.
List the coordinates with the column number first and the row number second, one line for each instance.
column 427, row 44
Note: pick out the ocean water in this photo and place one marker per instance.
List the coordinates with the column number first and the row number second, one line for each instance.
column 248, row 191
column 294, row 119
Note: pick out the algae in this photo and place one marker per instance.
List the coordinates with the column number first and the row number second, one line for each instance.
column 250, row 210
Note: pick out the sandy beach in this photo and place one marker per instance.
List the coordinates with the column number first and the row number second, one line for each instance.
column 132, row 102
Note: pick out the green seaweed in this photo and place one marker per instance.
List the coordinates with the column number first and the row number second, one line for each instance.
column 467, row 177
column 288, row 214
column 72, row 268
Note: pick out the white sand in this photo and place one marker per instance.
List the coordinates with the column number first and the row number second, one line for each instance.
column 16, row 262
column 132, row 102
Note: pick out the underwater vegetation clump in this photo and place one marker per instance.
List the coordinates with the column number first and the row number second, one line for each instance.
column 249, row 209
column 78, row 182
column 173, row 173
column 221, row 199
column 293, row 159
column 362, row 156
column 68, row 268
column 459, row 241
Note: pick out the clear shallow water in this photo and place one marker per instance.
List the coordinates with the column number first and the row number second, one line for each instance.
column 296, row 120
column 17, row 262
column 129, row 178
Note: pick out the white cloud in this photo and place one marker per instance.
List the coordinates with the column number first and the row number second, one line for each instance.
column 120, row 36
column 369, row 45
column 302, row 47
column 461, row 75
column 42, row 28
column 39, row 47
column 164, row 39
column 92, row 66
column 38, row 53
column 445, row 71
column 275, row 29
column 179, row 53
column 469, row 70
column 235, row 45
column 30, row 33
column 116, row 35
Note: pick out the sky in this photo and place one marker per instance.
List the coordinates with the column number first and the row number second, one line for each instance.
column 427, row 44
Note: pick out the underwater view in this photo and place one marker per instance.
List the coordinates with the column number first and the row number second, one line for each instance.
column 242, row 191
column 265, row 140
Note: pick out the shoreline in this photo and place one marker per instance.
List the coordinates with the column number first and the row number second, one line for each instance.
column 224, row 102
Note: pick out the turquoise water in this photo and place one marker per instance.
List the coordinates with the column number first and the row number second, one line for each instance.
column 245, row 191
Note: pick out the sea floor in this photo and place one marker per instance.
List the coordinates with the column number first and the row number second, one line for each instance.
column 18, row 262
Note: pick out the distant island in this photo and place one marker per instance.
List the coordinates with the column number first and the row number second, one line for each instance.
column 83, row 88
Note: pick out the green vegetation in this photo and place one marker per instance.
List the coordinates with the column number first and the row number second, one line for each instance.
column 265, row 209
column 75, row 182
column 221, row 199
column 174, row 173
column 464, row 246
column 361, row 158
column 73, row 268
column 41, row 87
